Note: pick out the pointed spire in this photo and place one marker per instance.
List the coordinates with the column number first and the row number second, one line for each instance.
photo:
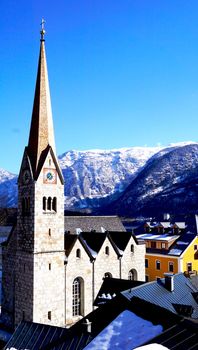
column 41, row 130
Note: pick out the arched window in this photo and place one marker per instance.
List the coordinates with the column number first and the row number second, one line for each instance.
column 77, row 297
column 49, row 203
column 54, row 204
column 132, row 275
column 44, row 203
column 78, row 253
column 107, row 250
column 132, row 248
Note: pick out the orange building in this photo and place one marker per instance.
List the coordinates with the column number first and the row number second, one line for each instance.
column 170, row 253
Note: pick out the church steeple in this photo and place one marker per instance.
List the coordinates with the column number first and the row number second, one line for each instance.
column 41, row 135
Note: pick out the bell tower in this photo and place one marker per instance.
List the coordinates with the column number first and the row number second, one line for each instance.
column 39, row 286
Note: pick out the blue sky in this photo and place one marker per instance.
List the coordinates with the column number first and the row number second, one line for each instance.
column 122, row 73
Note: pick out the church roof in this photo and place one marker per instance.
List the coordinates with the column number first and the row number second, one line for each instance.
column 120, row 241
column 41, row 131
column 93, row 223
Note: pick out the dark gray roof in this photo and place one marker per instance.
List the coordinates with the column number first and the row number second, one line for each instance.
column 120, row 241
column 93, row 223
column 36, row 336
column 93, row 241
column 181, row 336
column 111, row 287
column 70, row 240
column 156, row 293
column 180, row 245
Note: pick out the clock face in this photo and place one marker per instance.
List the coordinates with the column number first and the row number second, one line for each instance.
column 26, row 176
column 49, row 176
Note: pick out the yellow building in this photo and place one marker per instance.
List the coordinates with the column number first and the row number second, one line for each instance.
column 170, row 253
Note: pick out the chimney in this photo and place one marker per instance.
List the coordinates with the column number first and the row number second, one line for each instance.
column 196, row 220
column 169, row 281
column 166, row 216
column 87, row 325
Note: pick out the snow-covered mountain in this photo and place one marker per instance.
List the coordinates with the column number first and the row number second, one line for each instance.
column 133, row 180
column 167, row 183
column 93, row 178
column 8, row 189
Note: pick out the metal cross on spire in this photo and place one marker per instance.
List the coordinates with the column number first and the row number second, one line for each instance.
column 42, row 32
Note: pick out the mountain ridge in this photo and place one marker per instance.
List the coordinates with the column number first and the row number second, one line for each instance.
column 96, row 178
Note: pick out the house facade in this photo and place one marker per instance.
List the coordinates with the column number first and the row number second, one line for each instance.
column 174, row 251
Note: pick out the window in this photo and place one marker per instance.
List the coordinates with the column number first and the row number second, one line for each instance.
column 132, row 248
column 50, row 267
column 44, row 203
column 107, row 250
column 78, row 253
column 146, row 263
column 49, row 203
column 49, row 232
column 163, row 245
column 153, row 244
column 147, row 278
column 189, row 267
column 195, row 247
column 77, row 297
column 170, row 266
column 54, row 204
column 157, row 265
column 132, row 275
column 49, row 315
column 50, row 162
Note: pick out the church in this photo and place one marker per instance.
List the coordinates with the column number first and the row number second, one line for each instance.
column 53, row 266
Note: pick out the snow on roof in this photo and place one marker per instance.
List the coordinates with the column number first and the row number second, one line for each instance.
column 165, row 224
column 180, row 224
column 175, row 252
column 180, row 242
column 93, row 253
column 126, row 332
column 163, row 237
column 152, row 347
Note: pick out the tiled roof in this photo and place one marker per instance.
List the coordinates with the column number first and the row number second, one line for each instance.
column 156, row 293
column 93, row 223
